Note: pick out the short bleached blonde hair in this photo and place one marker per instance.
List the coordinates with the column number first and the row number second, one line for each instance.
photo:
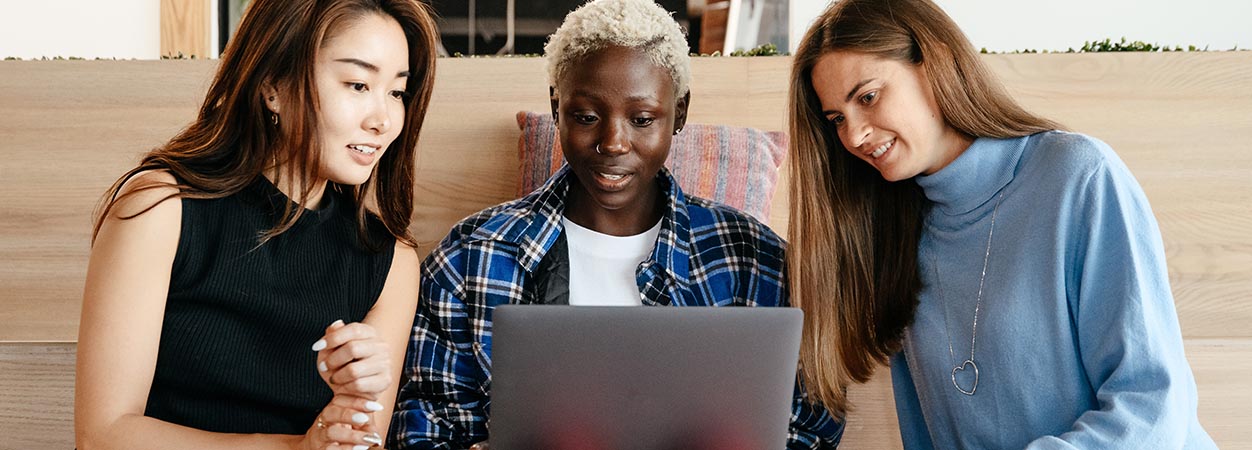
column 638, row 24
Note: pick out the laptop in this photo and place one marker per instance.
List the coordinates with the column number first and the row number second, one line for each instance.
column 654, row 378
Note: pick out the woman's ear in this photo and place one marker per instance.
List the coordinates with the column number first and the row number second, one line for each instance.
column 556, row 104
column 680, row 112
column 273, row 101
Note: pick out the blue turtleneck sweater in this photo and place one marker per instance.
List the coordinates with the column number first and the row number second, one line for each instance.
column 1077, row 343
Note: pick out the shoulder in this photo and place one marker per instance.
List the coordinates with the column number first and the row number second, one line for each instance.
column 707, row 213
column 144, row 192
column 1087, row 177
column 147, row 204
column 1079, row 160
column 489, row 222
column 145, row 218
column 476, row 237
column 715, row 224
column 1074, row 154
column 735, row 255
column 404, row 259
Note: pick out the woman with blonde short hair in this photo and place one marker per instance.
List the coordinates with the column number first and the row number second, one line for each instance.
column 610, row 228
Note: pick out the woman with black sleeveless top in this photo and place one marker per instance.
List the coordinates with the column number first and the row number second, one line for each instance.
column 253, row 281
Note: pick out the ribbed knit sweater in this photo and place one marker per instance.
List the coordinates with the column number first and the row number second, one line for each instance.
column 240, row 318
column 1078, row 344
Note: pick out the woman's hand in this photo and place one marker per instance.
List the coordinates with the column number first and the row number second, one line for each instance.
column 354, row 360
column 347, row 423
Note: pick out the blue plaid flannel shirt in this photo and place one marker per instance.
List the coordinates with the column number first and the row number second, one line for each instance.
column 706, row 255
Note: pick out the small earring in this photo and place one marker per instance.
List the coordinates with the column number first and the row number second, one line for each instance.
column 274, row 119
column 679, row 130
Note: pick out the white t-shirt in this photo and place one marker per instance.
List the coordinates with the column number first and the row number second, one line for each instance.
column 602, row 267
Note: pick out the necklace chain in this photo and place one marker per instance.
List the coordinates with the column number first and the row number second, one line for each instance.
column 973, row 342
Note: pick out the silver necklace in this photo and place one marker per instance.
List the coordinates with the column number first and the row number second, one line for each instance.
column 973, row 340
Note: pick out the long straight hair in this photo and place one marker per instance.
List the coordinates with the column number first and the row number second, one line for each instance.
column 232, row 141
column 852, row 258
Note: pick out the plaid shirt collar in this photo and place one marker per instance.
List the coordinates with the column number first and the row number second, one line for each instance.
column 533, row 223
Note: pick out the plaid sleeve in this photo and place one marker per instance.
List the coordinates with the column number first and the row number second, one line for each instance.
column 443, row 401
column 812, row 427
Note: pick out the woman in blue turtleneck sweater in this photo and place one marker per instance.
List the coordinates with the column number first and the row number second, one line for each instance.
column 1012, row 274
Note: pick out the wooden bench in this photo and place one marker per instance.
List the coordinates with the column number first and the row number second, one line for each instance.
column 1181, row 121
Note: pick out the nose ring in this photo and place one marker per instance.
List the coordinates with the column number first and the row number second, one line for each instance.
column 598, row 152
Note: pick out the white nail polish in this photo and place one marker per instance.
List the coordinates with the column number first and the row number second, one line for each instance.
column 373, row 438
column 360, row 418
column 319, row 345
column 373, row 406
column 360, row 447
column 321, row 365
column 337, row 322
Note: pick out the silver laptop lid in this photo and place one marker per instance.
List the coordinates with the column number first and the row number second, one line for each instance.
column 622, row 378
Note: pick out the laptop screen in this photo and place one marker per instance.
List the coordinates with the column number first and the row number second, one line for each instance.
column 570, row 377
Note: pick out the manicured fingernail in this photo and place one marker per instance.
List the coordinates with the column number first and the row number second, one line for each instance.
column 337, row 322
column 373, row 438
column 360, row 447
column 321, row 365
column 319, row 345
column 373, row 406
column 360, row 418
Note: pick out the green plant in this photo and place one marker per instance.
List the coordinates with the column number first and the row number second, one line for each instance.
column 1107, row 45
column 766, row 49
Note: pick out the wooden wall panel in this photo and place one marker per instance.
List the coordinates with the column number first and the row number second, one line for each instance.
column 69, row 130
column 37, row 395
column 1180, row 121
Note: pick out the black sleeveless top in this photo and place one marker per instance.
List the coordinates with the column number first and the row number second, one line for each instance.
column 240, row 318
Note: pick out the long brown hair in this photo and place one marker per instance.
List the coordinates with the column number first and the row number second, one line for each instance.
column 232, row 141
column 853, row 253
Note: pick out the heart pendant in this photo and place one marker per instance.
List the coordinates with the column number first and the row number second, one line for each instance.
column 967, row 363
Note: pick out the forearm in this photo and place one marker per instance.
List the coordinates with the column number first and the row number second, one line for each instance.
column 1154, row 415
column 137, row 432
